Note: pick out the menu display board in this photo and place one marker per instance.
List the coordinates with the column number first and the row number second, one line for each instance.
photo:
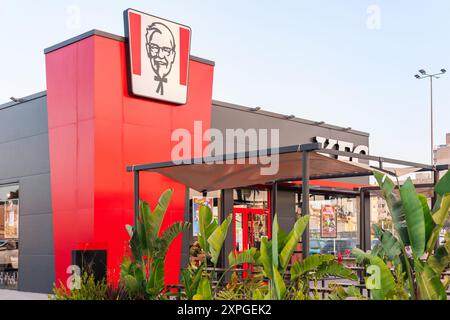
column 328, row 222
column 11, row 219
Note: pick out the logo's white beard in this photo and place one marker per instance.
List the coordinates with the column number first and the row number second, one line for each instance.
column 162, row 69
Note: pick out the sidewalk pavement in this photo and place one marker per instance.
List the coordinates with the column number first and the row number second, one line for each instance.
column 20, row 295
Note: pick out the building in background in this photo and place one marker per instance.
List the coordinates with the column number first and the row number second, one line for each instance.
column 442, row 152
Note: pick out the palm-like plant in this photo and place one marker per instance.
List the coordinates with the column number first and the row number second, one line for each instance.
column 275, row 256
column 143, row 272
column 412, row 248
column 199, row 281
column 314, row 268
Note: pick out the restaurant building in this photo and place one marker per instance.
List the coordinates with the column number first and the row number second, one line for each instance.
column 65, row 193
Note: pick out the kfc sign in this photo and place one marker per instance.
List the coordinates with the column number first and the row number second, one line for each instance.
column 158, row 55
column 333, row 144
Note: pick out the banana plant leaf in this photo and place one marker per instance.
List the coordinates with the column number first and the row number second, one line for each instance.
column 386, row 280
column 204, row 291
column 278, row 285
column 414, row 215
column 440, row 215
column 275, row 228
column 265, row 258
column 443, row 185
column 248, row 256
column 171, row 233
column 428, row 219
column 335, row 269
column 155, row 282
column 155, row 219
column 292, row 241
column 394, row 205
column 440, row 260
column 361, row 257
column 141, row 226
column 309, row 264
column 207, row 226
column 391, row 246
column 191, row 279
column 217, row 238
column 132, row 276
column 257, row 295
column 429, row 283
column 135, row 244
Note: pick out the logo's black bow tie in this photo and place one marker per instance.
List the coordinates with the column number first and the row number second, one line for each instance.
column 161, row 81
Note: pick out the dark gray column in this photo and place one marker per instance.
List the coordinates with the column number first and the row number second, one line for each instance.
column 136, row 195
column 364, row 220
column 187, row 237
column 273, row 200
column 226, row 208
column 286, row 209
column 305, row 200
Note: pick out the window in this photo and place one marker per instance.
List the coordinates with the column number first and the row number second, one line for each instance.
column 9, row 236
column 334, row 225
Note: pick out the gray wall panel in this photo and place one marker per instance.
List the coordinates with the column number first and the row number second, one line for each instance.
column 292, row 132
column 33, row 120
column 24, row 157
column 37, row 273
column 36, row 234
column 35, row 194
column 25, row 160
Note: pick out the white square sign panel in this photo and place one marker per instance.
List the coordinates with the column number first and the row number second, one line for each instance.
column 158, row 55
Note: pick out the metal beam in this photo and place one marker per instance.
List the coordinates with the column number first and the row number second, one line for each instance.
column 222, row 158
column 375, row 158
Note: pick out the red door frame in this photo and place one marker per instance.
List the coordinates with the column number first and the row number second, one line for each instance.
column 246, row 213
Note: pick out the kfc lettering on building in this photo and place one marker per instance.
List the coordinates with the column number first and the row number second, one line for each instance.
column 158, row 55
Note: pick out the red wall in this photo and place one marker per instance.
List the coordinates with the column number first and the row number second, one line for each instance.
column 95, row 130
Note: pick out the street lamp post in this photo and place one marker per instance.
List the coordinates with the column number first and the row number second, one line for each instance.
column 425, row 75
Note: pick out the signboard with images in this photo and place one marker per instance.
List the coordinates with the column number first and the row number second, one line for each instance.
column 11, row 220
column 158, row 56
column 328, row 222
column 196, row 203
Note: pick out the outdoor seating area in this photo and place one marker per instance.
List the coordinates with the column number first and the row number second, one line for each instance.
column 302, row 163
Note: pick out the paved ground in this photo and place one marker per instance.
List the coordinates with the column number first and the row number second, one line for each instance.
column 19, row 295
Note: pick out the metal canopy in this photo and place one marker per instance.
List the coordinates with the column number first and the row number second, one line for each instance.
column 246, row 169
column 211, row 176
column 299, row 162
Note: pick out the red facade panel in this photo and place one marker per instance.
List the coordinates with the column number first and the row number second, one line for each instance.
column 95, row 130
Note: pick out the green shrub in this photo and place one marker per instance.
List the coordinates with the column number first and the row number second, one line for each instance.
column 90, row 289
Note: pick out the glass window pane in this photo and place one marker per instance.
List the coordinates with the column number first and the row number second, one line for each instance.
column 9, row 236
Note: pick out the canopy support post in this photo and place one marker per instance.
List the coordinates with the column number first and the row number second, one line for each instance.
column 273, row 201
column 364, row 220
column 435, row 181
column 136, row 195
column 305, row 199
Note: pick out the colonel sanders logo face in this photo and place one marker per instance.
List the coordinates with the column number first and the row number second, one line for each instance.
column 161, row 51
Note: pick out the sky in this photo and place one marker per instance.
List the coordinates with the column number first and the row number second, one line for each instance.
column 346, row 62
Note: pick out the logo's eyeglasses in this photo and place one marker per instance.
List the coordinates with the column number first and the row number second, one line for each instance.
column 155, row 50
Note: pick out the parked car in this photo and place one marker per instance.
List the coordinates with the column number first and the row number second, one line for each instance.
column 9, row 254
column 374, row 243
column 338, row 246
column 315, row 246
